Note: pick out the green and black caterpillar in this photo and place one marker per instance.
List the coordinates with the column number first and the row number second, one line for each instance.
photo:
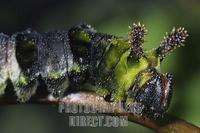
column 82, row 59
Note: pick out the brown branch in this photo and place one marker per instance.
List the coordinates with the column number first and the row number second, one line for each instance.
column 166, row 124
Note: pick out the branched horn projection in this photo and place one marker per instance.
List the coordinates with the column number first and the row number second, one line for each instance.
column 171, row 41
column 136, row 39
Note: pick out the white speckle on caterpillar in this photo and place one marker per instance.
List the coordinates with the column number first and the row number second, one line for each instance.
column 3, row 62
column 13, row 66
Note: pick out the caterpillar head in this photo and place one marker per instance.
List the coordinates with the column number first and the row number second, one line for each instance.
column 152, row 89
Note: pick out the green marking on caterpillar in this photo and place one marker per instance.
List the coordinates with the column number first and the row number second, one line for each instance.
column 2, row 88
column 23, row 80
column 76, row 68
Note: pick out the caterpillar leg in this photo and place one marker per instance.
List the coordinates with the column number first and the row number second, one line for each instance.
column 25, row 88
column 57, row 85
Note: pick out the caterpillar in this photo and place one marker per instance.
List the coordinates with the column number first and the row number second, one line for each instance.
column 81, row 58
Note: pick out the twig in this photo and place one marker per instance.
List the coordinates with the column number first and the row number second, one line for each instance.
column 166, row 124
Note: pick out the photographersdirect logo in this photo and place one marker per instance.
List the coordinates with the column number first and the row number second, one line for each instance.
column 98, row 121
column 89, row 115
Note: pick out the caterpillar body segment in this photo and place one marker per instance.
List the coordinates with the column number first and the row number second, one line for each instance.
column 9, row 68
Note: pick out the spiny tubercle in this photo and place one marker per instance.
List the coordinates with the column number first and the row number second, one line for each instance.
column 136, row 39
column 171, row 41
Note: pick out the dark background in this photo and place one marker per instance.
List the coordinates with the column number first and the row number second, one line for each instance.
column 114, row 17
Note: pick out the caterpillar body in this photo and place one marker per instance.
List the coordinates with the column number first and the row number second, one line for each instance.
column 83, row 59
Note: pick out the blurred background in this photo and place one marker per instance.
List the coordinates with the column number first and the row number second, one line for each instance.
column 114, row 17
